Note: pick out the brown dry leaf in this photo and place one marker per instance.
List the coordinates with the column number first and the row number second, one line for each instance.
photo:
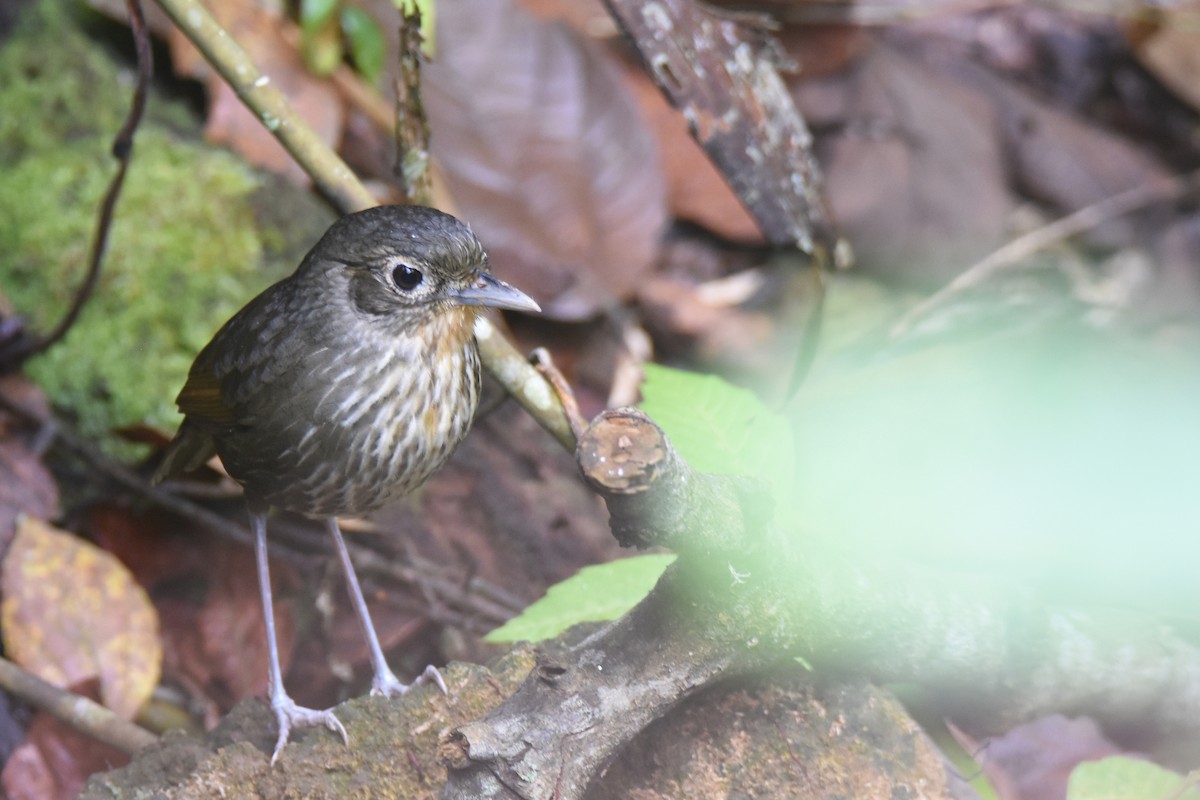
column 916, row 178
column 696, row 189
column 1034, row 761
column 206, row 594
column 260, row 33
column 26, row 486
column 72, row 611
column 1059, row 157
column 546, row 153
column 227, row 648
column 55, row 760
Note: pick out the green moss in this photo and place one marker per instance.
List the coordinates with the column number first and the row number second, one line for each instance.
column 184, row 250
column 182, row 245
column 55, row 84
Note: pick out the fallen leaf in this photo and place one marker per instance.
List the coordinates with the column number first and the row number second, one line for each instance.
column 205, row 591
column 1034, row 761
column 26, row 485
column 698, row 191
column 915, row 174
column 72, row 612
column 546, row 153
column 261, row 34
column 55, row 760
column 1059, row 157
column 228, row 645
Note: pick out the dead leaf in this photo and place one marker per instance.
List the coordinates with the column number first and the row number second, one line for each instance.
column 546, row 153
column 72, row 612
column 55, row 760
column 915, row 176
column 696, row 189
column 26, row 486
column 1061, row 158
column 260, row 33
column 205, row 590
column 228, row 645
column 1034, row 761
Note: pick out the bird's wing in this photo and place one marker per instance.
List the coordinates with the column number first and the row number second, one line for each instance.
column 201, row 400
column 205, row 413
column 241, row 368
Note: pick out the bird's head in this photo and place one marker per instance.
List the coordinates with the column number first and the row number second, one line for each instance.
column 409, row 263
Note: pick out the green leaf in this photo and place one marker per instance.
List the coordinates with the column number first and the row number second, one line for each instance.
column 1120, row 778
column 594, row 594
column 322, row 49
column 719, row 427
column 367, row 46
column 315, row 14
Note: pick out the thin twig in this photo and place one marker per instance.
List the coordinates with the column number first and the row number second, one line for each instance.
column 810, row 332
column 636, row 349
column 489, row 605
column 81, row 713
column 542, row 362
column 412, row 126
column 328, row 171
column 129, row 479
column 527, row 386
column 1073, row 224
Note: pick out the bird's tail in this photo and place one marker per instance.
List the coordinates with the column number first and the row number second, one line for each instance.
column 190, row 448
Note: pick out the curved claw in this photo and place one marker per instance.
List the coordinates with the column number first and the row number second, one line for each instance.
column 388, row 685
column 289, row 716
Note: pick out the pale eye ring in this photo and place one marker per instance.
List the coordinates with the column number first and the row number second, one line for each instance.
column 406, row 278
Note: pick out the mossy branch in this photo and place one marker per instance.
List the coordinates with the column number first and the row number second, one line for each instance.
column 993, row 653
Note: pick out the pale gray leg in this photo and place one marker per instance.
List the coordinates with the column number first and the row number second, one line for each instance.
column 385, row 681
column 287, row 713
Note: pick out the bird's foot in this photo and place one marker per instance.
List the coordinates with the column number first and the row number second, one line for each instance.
column 290, row 716
column 388, row 685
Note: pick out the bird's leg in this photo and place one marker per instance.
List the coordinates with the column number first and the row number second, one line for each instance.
column 385, row 681
column 287, row 713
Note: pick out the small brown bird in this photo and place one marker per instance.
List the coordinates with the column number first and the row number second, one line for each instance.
column 343, row 387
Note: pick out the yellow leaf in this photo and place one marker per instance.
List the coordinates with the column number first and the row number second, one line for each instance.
column 72, row 611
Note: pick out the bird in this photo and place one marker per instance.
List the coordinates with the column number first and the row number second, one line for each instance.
column 342, row 388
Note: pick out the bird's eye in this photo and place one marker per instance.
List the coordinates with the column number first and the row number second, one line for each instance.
column 406, row 277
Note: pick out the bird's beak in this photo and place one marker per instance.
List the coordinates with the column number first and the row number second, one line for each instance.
column 487, row 290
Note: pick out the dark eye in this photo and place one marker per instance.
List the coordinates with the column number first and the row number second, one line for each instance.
column 406, row 277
